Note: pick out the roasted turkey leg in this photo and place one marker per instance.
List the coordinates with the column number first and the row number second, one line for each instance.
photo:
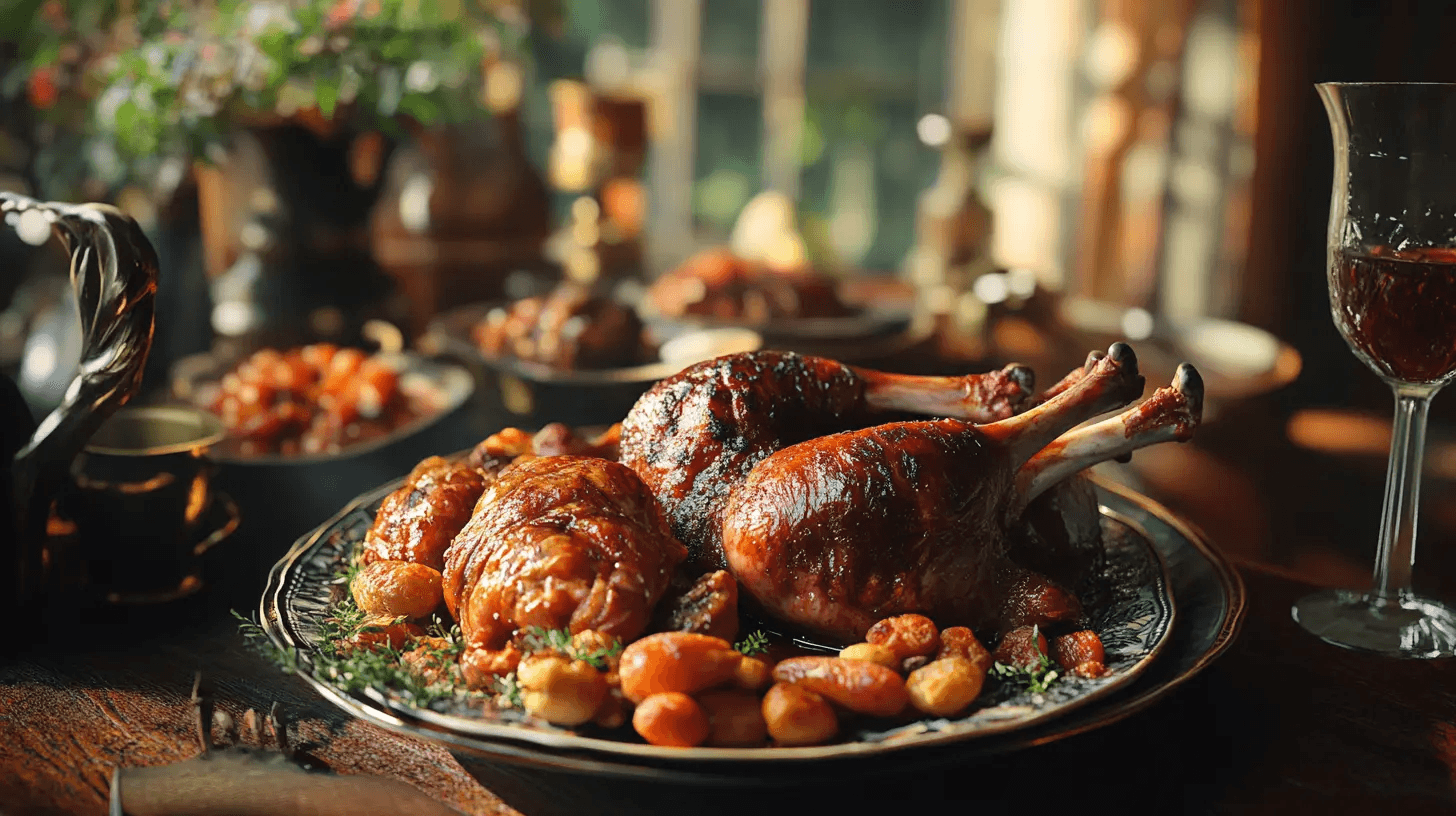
column 695, row 436
column 835, row 533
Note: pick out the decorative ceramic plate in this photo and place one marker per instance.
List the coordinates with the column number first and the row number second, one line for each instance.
column 1135, row 624
column 1211, row 609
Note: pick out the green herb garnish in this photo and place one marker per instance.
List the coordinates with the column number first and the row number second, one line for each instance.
column 351, row 570
column 257, row 639
column 755, row 643
column 507, row 691
column 536, row 639
column 1036, row 678
column 431, row 674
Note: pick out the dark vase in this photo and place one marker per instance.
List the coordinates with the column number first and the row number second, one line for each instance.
column 462, row 211
column 284, row 219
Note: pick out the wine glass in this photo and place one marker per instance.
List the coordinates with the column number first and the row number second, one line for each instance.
column 1392, row 276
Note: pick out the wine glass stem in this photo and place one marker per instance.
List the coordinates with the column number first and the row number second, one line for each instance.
column 1402, row 495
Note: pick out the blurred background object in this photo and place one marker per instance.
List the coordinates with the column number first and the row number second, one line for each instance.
column 1094, row 148
column 270, row 126
column 969, row 181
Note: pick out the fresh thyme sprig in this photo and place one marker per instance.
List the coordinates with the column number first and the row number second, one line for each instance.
column 755, row 643
column 257, row 639
column 431, row 673
column 538, row 639
column 1037, row 678
column 352, row 568
column 507, row 691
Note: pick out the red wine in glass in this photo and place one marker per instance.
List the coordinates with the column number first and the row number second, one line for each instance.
column 1397, row 309
column 1394, row 188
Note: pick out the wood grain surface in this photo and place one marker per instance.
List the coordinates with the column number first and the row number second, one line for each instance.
column 97, row 694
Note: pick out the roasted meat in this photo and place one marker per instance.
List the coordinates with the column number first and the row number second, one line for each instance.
column 707, row 605
column 556, row 439
column 837, row 532
column 694, row 437
column 570, row 328
column 417, row 522
column 570, row 542
column 717, row 284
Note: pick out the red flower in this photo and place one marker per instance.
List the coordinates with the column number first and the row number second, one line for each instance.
column 54, row 13
column 41, row 88
column 342, row 12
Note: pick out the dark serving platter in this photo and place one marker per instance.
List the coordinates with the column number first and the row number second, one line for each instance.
column 1141, row 634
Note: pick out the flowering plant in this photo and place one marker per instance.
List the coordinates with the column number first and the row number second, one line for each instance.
column 138, row 81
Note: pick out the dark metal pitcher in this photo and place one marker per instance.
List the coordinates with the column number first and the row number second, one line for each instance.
column 114, row 274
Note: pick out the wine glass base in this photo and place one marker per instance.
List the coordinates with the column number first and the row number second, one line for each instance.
column 1410, row 627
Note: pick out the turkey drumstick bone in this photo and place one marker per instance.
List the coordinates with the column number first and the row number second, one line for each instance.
column 1169, row 415
column 1107, row 383
column 977, row 397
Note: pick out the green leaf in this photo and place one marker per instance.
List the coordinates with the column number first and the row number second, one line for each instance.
column 127, row 120
column 326, row 94
column 1037, row 678
column 755, row 643
column 421, row 108
column 18, row 17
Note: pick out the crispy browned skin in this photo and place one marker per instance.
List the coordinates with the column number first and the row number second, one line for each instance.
column 416, row 522
column 695, row 436
column 836, row 533
column 560, row 542
column 556, row 439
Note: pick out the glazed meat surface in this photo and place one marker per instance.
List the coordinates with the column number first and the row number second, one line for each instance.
column 695, row 436
column 837, row 532
column 926, row 502
column 560, row 542
column 417, row 522
column 556, row 439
